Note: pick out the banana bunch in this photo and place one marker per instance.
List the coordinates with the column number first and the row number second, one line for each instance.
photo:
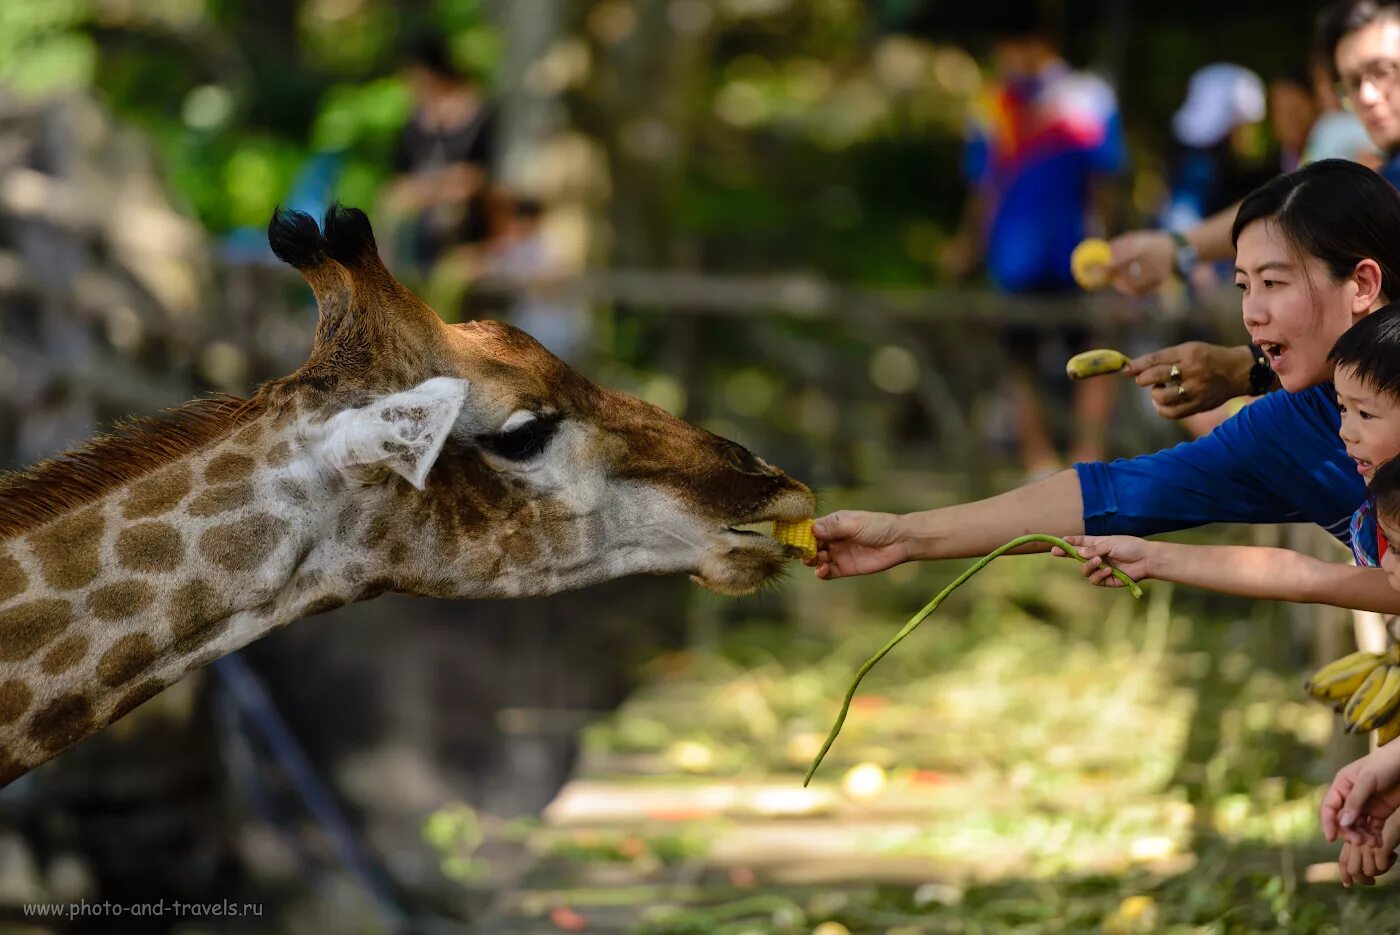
column 1365, row 687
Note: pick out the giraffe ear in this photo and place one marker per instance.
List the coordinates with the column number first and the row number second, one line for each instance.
column 402, row 432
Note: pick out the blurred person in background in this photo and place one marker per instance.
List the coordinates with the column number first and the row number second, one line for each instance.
column 1044, row 148
column 1294, row 109
column 521, row 259
column 1337, row 133
column 441, row 188
column 1218, row 160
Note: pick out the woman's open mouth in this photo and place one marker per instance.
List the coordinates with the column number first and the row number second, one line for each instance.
column 1273, row 351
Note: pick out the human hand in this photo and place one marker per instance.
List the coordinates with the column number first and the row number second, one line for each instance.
column 1362, row 798
column 854, row 542
column 1205, row 376
column 1102, row 554
column 959, row 257
column 1142, row 261
column 1363, row 863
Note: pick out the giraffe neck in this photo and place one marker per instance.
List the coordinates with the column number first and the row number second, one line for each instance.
column 105, row 606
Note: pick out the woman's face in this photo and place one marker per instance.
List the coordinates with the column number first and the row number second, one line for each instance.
column 1293, row 308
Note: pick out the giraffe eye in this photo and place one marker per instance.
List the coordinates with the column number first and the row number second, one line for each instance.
column 524, row 442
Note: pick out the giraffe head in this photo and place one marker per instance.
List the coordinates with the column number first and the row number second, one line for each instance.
column 498, row 469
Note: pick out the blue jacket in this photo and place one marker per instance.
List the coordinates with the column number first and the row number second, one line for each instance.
column 1279, row 460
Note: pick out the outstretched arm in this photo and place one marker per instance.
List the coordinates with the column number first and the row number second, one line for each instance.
column 855, row 542
column 1245, row 571
column 1143, row 260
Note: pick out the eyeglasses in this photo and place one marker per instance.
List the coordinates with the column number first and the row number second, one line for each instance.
column 1382, row 74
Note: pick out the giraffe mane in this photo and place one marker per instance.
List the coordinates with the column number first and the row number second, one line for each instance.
column 32, row 497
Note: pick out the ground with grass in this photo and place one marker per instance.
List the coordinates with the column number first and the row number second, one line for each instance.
column 1038, row 757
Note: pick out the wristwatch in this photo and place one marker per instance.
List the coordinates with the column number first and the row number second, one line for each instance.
column 1186, row 254
column 1261, row 375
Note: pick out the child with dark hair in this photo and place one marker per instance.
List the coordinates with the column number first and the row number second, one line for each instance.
column 1366, row 375
column 1360, row 806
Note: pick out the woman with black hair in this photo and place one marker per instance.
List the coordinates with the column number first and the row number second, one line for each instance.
column 1317, row 250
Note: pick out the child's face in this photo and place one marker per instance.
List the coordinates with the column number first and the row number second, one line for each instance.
column 1370, row 422
column 1390, row 561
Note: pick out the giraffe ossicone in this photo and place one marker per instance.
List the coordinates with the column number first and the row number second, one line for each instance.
column 405, row 455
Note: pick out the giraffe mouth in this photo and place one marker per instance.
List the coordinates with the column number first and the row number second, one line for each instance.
column 761, row 532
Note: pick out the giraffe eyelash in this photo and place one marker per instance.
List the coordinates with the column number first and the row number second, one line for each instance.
column 523, row 443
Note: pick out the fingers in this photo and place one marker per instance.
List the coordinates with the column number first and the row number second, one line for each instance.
column 1138, row 364
column 1390, row 837
column 1332, row 804
column 843, row 524
column 1369, row 863
column 1154, row 376
column 1355, row 804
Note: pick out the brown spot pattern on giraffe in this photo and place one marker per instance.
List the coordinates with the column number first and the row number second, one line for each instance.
column 218, row 500
column 15, row 698
column 197, row 615
column 10, row 769
column 150, row 547
column 347, row 521
column 68, row 548
column 520, row 546
column 135, row 697
column 65, row 654
column 129, row 657
column 293, row 492
column 65, row 720
column 321, row 605
column 250, row 434
column 159, row 494
column 121, row 600
column 228, row 468
column 27, row 628
column 13, row 580
column 279, row 454
column 244, row 544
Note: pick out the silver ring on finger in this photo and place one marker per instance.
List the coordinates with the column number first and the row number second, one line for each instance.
column 1175, row 374
column 1180, row 393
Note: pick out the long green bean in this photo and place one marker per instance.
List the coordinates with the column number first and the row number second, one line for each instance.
column 929, row 608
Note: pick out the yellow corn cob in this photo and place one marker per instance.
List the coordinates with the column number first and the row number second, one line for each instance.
column 798, row 533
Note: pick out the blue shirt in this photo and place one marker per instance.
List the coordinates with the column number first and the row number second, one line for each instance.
column 1390, row 170
column 1278, row 460
column 1033, row 147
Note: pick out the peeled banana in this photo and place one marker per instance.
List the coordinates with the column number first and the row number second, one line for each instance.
column 1089, row 263
column 1096, row 362
column 1337, row 681
column 798, row 533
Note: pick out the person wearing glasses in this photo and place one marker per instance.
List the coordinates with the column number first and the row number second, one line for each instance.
column 1359, row 41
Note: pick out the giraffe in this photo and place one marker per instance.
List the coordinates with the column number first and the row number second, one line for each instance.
column 404, row 455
